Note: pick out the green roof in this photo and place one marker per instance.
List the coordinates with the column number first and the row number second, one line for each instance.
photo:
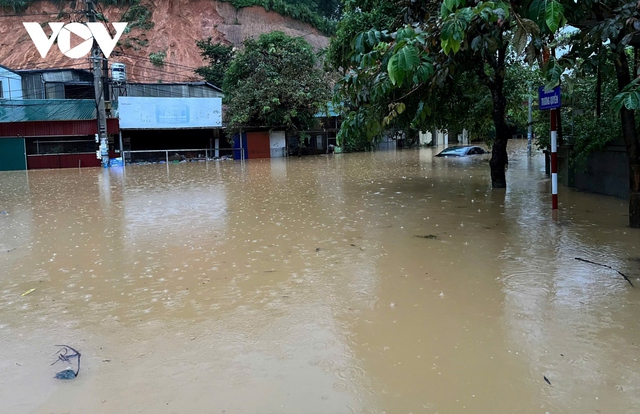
column 19, row 110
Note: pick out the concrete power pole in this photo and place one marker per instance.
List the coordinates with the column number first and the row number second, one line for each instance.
column 98, row 86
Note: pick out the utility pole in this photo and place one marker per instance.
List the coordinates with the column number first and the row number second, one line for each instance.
column 530, row 130
column 96, row 59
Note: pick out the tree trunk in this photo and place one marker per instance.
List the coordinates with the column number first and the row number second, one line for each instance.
column 598, row 92
column 499, row 158
column 631, row 141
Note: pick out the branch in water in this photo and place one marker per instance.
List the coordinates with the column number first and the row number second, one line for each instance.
column 608, row 267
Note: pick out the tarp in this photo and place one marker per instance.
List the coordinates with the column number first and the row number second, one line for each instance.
column 20, row 110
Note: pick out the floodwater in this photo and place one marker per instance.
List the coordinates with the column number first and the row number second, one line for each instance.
column 388, row 282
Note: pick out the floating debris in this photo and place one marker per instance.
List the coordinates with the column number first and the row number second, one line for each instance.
column 608, row 267
column 427, row 236
column 67, row 374
column 67, row 354
column 546, row 379
column 28, row 291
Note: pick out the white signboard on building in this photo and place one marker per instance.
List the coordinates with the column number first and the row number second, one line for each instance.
column 169, row 113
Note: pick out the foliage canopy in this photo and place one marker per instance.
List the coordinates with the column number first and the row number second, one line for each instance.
column 405, row 72
column 21, row 5
column 274, row 82
column 218, row 56
column 319, row 14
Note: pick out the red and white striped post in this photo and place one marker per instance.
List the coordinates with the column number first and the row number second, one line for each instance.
column 554, row 160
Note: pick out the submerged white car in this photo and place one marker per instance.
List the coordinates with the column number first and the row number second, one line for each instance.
column 462, row 151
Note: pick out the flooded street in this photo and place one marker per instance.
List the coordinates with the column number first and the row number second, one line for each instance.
column 388, row 282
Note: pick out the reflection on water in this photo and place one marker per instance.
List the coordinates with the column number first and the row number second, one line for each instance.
column 389, row 282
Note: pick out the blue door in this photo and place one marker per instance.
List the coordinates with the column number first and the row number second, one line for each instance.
column 240, row 147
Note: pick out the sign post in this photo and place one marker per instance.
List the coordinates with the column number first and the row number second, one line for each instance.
column 554, row 160
column 550, row 99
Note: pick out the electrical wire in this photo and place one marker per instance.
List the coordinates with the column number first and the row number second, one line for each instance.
column 177, row 65
column 153, row 85
column 162, row 90
column 181, row 73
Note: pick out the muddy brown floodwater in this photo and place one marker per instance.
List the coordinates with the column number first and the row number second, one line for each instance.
column 388, row 282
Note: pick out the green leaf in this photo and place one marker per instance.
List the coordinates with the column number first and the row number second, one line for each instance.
column 444, row 11
column 359, row 43
column 452, row 5
column 455, row 46
column 400, row 108
column 554, row 16
column 553, row 73
column 632, row 100
column 444, row 43
column 454, row 29
column 405, row 33
column 629, row 97
column 403, row 61
column 373, row 37
column 537, row 10
column 476, row 43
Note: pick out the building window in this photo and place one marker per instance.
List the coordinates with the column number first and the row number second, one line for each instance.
column 1, row 91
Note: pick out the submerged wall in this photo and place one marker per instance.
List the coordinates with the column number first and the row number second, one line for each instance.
column 604, row 172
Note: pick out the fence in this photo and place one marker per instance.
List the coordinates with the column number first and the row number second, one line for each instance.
column 178, row 155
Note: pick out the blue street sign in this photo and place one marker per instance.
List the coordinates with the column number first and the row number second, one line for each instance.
column 549, row 99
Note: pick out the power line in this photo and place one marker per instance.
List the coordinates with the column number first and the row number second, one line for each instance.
column 182, row 68
column 165, row 63
column 166, row 72
column 184, row 73
column 151, row 82
column 159, row 88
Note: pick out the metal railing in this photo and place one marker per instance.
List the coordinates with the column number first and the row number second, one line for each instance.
column 179, row 155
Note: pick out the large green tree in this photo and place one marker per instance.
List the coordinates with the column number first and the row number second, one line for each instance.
column 219, row 58
column 608, row 34
column 410, row 66
column 274, row 82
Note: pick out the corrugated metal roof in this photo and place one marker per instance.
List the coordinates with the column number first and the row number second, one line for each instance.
column 47, row 110
column 56, row 128
column 68, row 76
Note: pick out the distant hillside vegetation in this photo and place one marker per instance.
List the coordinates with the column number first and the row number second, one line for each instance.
column 320, row 14
column 21, row 5
column 160, row 42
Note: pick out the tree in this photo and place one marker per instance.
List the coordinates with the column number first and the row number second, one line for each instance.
column 330, row 9
column 407, row 67
column 219, row 57
column 358, row 17
column 274, row 82
column 607, row 31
